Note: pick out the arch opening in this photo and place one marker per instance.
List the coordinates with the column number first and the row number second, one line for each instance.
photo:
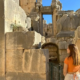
column 53, row 52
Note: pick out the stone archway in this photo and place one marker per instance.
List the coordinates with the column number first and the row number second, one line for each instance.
column 53, row 52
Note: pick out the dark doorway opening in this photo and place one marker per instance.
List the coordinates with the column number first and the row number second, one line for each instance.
column 53, row 52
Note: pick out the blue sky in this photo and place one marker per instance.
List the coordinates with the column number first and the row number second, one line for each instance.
column 67, row 5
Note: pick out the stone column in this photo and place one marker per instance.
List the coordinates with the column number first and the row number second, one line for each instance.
column 41, row 24
column 2, row 41
column 54, row 22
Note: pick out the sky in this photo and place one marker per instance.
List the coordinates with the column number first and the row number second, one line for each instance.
column 66, row 5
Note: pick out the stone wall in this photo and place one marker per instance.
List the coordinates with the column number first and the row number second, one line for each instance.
column 22, row 62
column 19, row 62
column 17, row 1
column 47, row 30
column 28, row 22
column 2, row 41
column 21, row 40
column 35, row 21
column 14, row 14
column 27, row 64
column 28, row 5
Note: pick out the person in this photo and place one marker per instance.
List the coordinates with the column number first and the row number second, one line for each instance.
column 71, row 70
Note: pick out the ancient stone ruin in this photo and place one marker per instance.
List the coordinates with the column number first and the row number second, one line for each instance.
column 28, row 44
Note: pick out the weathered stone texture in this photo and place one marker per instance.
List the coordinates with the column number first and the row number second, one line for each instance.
column 65, row 34
column 48, row 40
column 47, row 28
column 14, row 60
column 62, row 55
column 27, row 59
column 43, row 40
column 68, row 22
column 28, row 22
column 14, row 14
column 28, row 5
column 17, row 1
column 2, row 41
column 35, row 25
column 24, row 2
column 63, row 52
column 2, row 78
column 20, row 40
column 62, row 58
column 62, row 45
column 2, row 44
column 33, row 64
column 2, row 62
column 36, row 61
column 25, row 76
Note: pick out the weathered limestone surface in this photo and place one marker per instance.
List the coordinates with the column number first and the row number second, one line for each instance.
column 28, row 22
column 43, row 40
column 62, row 45
column 2, row 62
column 14, row 14
column 63, row 52
column 62, row 58
column 62, row 55
column 54, row 40
column 2, row 78
column 2, row 41
column 14, row 60
column 35, row 25
column 68, row 22
column 17, row 1
column 47, row 29
column 35, row 21
column 25, row 76
column 36, row 61
column 20, row 40
column 32, row 64
column 78, row 11
column 69, row 34
column 28, row 5
column 2, row 25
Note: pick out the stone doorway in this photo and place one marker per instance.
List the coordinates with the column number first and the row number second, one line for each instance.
column 53, row 52
column 47, row 25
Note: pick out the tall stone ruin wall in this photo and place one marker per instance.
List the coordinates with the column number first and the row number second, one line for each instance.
column 19, row 62
column 24, row 64
column 27, row 64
